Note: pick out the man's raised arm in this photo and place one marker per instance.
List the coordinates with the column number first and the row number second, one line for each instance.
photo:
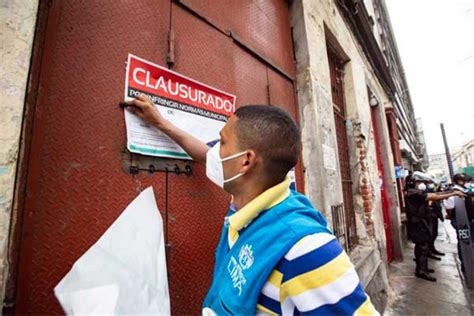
column 443, row 196
column 147, row 111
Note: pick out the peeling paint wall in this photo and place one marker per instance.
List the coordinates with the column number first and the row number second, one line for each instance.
column 17, row 28
column 314, row 24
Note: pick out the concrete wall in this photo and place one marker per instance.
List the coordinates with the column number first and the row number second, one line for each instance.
column 17, row 28
column 314, row 23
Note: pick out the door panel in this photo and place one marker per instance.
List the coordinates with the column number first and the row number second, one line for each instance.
column 263, row 26
column 77, row 185
column 196, row 206
column 250, row 78
column 282, row 94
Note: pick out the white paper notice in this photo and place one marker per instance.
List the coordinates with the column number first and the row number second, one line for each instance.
column 192, row 106
column 124, row 272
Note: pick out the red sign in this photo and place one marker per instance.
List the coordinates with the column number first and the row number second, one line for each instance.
column 153, row 79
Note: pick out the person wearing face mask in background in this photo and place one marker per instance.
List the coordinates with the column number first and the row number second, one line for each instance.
column 419, row 226
column 436, row 214
column 460, row 181
column 276, row 254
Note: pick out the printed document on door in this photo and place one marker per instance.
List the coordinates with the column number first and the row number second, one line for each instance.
column 194, row 107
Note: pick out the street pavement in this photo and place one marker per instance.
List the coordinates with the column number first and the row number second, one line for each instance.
column 447, row 296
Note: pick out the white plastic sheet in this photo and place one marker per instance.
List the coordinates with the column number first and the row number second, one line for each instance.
column 124, row 272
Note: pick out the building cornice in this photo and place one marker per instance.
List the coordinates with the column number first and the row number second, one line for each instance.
column 355, row 12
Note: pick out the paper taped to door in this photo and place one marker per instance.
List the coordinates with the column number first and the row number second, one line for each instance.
column 124, row 272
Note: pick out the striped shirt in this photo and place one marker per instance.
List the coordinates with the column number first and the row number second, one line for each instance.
column 315, row 276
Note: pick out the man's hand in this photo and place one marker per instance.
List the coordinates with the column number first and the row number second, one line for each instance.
column 459, row 193
column 146, row 110
column 444, row 195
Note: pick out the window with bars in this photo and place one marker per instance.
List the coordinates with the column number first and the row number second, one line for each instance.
column 339, row 224
column 336, row 69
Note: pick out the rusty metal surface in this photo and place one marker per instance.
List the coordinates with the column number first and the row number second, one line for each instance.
column 22, row 169
column 196, row 206
column 250, row 75
column 261, row 25
column 76, row 183
column 282, row 94
column 336, row 65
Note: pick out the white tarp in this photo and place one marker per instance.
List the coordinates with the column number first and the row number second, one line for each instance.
column 124, row 272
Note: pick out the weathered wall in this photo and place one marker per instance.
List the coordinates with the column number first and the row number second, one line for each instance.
column 17, row 28
column 315, row 23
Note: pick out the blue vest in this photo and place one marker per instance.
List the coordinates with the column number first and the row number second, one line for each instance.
column 241, row 272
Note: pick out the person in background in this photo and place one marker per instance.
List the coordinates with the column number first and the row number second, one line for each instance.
column 417, row 200
column 436, row 214
column 460, row 182
column 276, row 254
column 470, row 192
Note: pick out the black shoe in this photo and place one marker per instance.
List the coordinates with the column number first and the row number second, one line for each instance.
column 425, row 276
column 437, row 253
column 434, row 257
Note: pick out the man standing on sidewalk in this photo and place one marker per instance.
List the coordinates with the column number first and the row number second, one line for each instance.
column 276, row 254
column 419, row 220
column 436, row 214
column 460, row 180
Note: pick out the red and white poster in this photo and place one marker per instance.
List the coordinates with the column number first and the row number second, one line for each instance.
column 194, row 107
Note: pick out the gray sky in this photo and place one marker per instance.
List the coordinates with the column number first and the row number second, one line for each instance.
column 436, row 43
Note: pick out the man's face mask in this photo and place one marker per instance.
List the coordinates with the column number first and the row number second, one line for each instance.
column 214, row 167
column 422, row 187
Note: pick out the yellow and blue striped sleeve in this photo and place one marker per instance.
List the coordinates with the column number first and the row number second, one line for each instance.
column 316, row 277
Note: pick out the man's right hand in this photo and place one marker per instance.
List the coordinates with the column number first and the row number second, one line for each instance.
column 146, row 110
column 459, row 193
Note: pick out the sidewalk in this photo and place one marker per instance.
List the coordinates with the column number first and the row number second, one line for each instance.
column 447, row 296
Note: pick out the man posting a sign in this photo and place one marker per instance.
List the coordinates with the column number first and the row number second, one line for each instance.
column 276, row 253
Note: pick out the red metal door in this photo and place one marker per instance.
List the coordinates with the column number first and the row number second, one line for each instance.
column 76, row 185
column 383, row 191
column 335, row 70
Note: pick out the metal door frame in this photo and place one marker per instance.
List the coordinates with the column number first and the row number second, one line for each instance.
column 337, row 92
column 30, row 144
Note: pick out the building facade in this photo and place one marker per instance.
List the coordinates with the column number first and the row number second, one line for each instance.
column 439, row 168
column 355, row 109
column 423, row 151
column 463, row 158
column 332, row 64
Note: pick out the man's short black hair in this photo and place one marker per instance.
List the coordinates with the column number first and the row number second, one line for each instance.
column 273, row 134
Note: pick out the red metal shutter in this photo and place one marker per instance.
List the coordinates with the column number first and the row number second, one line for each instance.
column 337, row 91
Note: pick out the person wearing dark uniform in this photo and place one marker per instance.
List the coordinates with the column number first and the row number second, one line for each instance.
column 460, row 180
column 436, row 214
column 418, row 212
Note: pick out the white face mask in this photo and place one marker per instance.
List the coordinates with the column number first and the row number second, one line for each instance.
column 214, row 167
column 422, row 186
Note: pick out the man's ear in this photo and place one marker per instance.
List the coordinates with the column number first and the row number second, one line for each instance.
column 249, row 161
